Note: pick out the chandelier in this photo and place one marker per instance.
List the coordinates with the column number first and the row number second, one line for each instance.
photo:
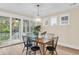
column 38, row 19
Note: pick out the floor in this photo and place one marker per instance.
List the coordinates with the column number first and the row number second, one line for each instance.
column 17, row 50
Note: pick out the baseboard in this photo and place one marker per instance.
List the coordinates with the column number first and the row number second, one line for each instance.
column 10, row 45
column 69, row 46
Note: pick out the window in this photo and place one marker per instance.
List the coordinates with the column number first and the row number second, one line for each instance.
column 4, row 29
column 32, row 24
column 53, row 21
column 25, row 26
column 64, row 20
column 16, row 23
column 46, row 22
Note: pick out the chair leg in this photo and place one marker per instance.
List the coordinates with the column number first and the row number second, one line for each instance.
column 30, row 52
column 56, row 52
column 49, row 52
column 35, row 53
column 45, row 51
column 27, row 51
column 23, row 50
column 40, row 52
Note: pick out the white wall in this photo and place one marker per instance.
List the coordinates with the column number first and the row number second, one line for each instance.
column 68, row 34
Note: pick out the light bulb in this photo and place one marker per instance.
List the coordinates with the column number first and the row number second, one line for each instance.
column 38, row 19
column 16, row 21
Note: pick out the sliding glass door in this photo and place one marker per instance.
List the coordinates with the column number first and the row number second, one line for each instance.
column 16, row 28
column 12, row 30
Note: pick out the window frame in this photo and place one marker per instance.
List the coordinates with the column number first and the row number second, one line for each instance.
column 64, row 15
column 46, row 20
column 51, row 20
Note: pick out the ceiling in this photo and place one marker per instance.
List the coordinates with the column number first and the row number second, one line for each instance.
column 30, row 9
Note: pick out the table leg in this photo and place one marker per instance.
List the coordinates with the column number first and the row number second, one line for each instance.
column 43, row 49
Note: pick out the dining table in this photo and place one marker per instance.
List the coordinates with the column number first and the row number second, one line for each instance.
column 41, row 41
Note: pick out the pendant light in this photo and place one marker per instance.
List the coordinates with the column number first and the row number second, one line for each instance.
column 38, row 19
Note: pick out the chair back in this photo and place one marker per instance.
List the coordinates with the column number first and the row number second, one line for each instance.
column 50, row 36
column 26, row 40
column 55, row 41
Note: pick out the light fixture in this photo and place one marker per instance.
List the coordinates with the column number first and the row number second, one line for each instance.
column 17, row 20
column 38, row 19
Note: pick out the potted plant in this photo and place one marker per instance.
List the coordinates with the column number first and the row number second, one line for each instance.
column 37, row 29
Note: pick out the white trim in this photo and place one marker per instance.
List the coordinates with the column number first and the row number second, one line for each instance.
column 10, row 27
column 21, row 28
column 29, row 26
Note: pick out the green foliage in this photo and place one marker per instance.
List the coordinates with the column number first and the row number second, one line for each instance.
column 4, row 28
column 37, row 29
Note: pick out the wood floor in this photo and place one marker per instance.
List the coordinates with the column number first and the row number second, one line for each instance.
column 17, row 50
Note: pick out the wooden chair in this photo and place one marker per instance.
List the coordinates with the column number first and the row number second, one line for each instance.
column 52, row 48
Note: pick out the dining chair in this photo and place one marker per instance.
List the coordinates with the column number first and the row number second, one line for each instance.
column 50, row 35
column 36, row 48
column 27, row 43
column 52, row 48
